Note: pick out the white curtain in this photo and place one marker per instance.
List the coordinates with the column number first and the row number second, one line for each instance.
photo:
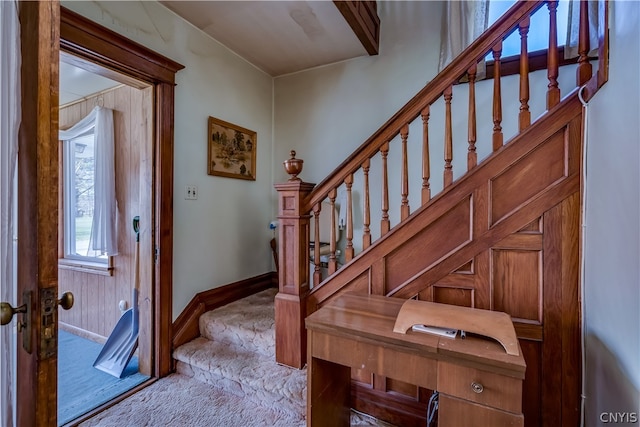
column 9, row 124
column 573, row 29
column 103, row 229
column 464, row 21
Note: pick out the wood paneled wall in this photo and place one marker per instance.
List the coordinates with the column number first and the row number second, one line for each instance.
column 506, row 237
column 96, row 310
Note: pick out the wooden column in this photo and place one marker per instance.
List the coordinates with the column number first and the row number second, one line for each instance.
column 293, row 273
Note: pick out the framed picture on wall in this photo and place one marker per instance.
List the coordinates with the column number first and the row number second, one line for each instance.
column 231, row 150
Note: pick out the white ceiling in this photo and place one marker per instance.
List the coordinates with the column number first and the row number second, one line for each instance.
column 279, row 37
column 76, row 83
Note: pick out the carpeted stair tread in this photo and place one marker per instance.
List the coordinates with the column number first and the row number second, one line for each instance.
column 248, row 323
column 244, row 373
column 235, row 354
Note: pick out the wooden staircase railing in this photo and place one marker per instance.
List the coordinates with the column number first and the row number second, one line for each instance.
column 299, row 201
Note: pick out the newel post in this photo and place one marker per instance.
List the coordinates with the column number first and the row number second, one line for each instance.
column 293, row 268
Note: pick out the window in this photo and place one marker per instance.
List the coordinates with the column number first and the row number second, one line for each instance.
column 537, row 39
column 538, row 36
column 79, row 193
column 88, row 175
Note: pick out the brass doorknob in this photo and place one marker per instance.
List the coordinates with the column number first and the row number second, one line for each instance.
column 66, row 301
column 7, row 312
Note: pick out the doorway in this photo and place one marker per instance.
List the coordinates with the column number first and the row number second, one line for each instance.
column 107, row 53
column 102, row 284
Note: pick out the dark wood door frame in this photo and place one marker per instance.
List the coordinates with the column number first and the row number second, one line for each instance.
column 111, row 53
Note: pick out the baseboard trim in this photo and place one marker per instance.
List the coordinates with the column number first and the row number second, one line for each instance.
column 82, row 333
column 185, row 327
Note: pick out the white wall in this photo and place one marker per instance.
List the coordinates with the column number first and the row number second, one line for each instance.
column 612, row 273
column 326, row 113
column 223, row 236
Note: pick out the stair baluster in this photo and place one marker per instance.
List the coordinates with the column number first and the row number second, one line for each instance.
column 584, row 70
column 497, row 98
column 448, row 138
column 317, row 274
column 366, row 232
column 333, row 261
column 472, row 156
column 384, row 222
column 349, row 251
column 553, row 94
column 524, row 118
column 404, row 191
column 426, row 168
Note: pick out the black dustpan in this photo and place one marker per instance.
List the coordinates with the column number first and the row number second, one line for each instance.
column 123, row 341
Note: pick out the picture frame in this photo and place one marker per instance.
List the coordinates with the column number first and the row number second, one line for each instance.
column 231, row 150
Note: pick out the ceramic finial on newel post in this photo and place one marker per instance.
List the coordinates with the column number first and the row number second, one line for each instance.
column 293, row 166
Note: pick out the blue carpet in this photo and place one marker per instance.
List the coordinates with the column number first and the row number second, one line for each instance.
column 81, row 387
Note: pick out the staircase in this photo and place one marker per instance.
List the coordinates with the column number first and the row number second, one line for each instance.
column 503, row 235
column 235, row 355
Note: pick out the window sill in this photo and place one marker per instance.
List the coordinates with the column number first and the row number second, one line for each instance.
column 86, row 266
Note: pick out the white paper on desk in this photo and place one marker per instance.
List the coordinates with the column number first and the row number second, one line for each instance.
column 443, row 332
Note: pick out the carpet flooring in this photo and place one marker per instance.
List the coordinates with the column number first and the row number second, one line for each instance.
column 227, row 377
column 81, row 387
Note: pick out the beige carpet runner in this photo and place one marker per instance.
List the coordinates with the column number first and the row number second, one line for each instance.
column 227, row 377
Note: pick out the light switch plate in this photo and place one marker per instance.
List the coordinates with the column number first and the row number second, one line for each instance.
column 191, row 192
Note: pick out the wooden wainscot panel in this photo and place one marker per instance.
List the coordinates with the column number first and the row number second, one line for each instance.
column 517, row 284
column 529, row 176
column 463, row 297
column 443, row 236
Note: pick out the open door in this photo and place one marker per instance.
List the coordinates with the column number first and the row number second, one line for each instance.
column 37, row 220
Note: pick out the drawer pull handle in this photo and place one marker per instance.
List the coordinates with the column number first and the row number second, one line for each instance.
column 477, row 387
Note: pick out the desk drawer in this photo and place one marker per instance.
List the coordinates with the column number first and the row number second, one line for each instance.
column 486, row 388
column 454, row 412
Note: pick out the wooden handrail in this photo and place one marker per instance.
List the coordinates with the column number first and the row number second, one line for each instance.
column 429, row 94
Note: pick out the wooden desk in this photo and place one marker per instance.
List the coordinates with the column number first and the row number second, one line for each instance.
column 356, row 331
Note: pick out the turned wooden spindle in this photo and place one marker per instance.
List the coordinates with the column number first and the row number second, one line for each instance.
column 404, row 190
column 317, row 273
column 472, row 156
column 448, row 138
column 384, row 222
column 426, row 168
column 553, row 92
column 349, row 252
column 524, row 117
column 366, row 232
column 497, row 98
column 333, row 261
column 584, row 71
